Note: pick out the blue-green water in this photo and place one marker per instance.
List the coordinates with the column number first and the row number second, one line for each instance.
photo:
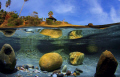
column 31, row 43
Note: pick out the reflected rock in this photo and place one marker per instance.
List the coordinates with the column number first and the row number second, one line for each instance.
column 75, row 34
column 50, row 61
column 8, row 33
column 107, row 65
column 7, row 58
column 76, row 58
column 53, row 33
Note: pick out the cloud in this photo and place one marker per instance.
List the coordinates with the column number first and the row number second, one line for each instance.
column 100, row 15
column 114, row 16
column 64, row 6
column 97, row 12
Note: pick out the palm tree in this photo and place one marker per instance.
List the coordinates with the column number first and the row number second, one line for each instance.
column 7, row 3
column 22, row 6
column 50, row 14
column 35, row 14
column 0, row 5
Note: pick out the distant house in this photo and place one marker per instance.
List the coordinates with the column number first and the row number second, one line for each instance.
column 52, row 18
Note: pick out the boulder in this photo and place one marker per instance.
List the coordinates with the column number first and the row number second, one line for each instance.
column 75, row 34
column 53, row 33
column 50, row 61
column 90, row 24
column 76, row 58
column 7, row 58
column 107, row 64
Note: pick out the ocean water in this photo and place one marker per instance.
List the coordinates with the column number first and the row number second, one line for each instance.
column 31, row 43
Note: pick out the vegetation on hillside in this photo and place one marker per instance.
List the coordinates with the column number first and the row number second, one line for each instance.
column 13, row 19
column 2, row 16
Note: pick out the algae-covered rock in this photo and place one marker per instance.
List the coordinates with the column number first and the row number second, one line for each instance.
column 75, row 34
column 53, row 33
column 76, row 58
column 50, row 61
column 7, row 58
column 107, row 65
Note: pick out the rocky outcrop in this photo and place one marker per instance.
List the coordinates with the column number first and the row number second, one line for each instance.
column 107, row 65
column 50, row 61
column 76, row 58
column 7, row 58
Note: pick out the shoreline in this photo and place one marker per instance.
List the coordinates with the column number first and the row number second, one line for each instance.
column 65, row 25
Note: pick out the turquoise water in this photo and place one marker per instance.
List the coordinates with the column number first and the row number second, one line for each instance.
column 31, row 43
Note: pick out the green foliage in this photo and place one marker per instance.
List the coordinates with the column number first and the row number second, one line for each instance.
column 66, row 22
column 15, row 22
column 27, row 17
column 32, row 21
column 49, row 21
column 57, row 23
column 2, row 16
column 14, row 15
column 41, row 19
column 10, row 19
column 2, row 10
column 0, row 5
column 50, row 13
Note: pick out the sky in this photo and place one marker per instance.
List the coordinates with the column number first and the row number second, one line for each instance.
column 76, row 12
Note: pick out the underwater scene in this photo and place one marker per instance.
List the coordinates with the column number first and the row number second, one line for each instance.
column 72, row 52
column 59, row 38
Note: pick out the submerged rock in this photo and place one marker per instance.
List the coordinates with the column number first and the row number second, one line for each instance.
column 68, row 73
column 56, row 71
column 79, row 70
column 75, row 34
column 53, row 33
column 7, row 58
column 107, row 64
column 76, row 58
column 64, row 69
column 60, row 75
column 50, row 61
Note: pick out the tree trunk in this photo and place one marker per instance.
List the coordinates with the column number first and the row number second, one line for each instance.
column 21, row 8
